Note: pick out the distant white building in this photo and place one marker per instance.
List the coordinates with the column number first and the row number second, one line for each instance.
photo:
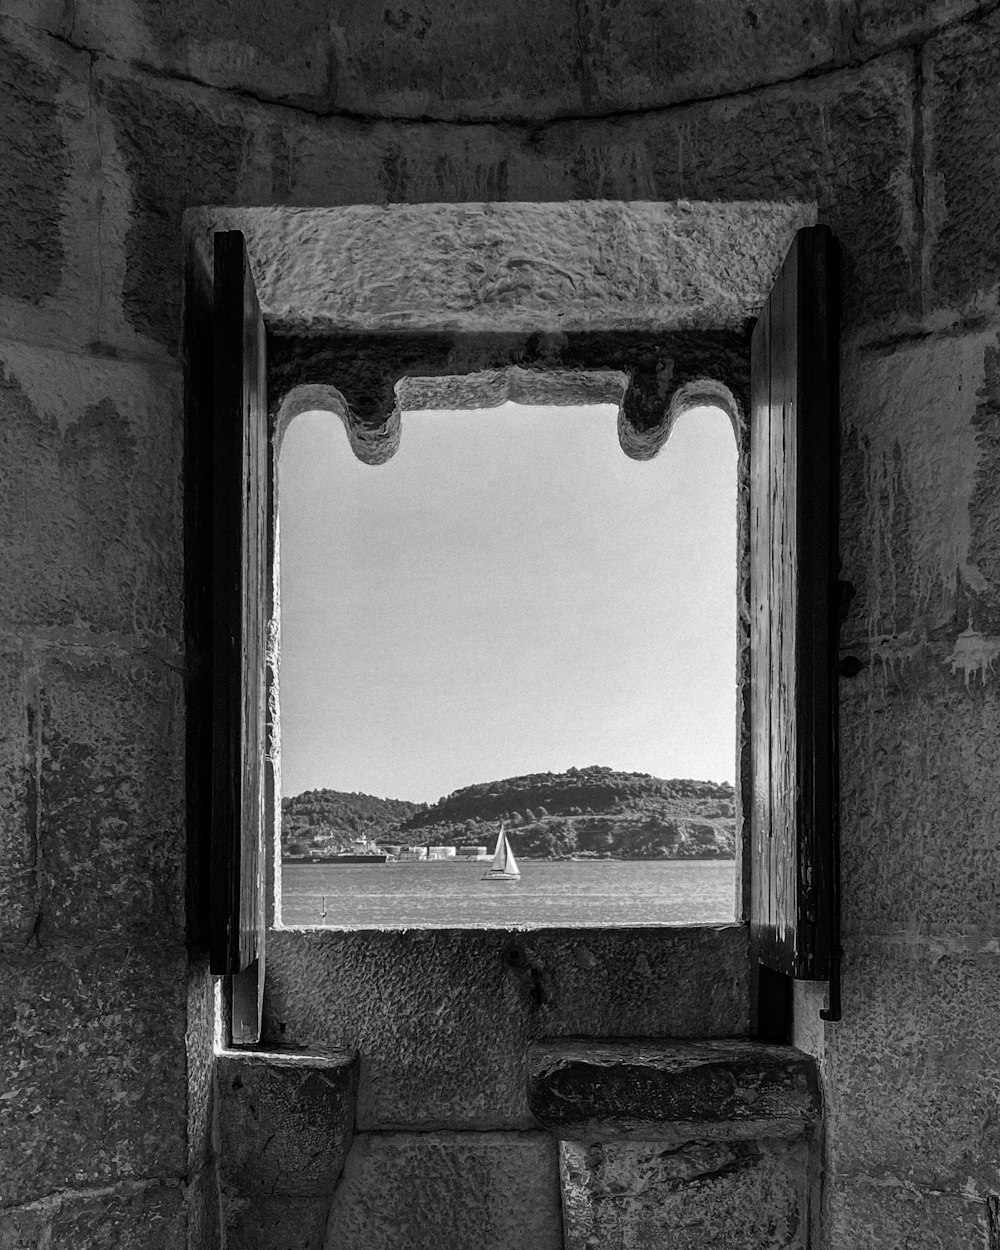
column 442, row 852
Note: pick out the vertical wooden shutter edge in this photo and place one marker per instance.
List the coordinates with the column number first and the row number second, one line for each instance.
column 238, row 505
column 795, row 906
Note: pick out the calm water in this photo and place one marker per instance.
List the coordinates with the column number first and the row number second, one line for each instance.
column 569, row 893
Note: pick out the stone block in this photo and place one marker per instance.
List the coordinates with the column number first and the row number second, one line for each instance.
column 442, row 1019
column 843, row 141
column 270, row 50
column 111, row 798
column 49, row 190
column 25, row 1229
column 92, row 1065
column 920, row 811
column 285, row 1121
column 174, row 146
column 91, row 510
column 261, row 1223
column 867, row 1215
column 920, row 523
column 692, row 1196
column 884, row 23
column 913, row 1074
column 686, row 51
column 18, row 800
column 962, row 168
column 448, row 1191
column 34, row 174
column 671, row 1091
column 137, row 1219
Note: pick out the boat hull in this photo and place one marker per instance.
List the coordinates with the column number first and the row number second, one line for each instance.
column 501, row 876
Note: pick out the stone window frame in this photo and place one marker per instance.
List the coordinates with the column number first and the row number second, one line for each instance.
column 657, row 350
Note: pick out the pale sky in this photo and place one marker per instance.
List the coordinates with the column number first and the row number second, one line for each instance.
column 510, row 593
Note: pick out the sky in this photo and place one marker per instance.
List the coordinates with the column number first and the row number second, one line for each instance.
column 509, row 594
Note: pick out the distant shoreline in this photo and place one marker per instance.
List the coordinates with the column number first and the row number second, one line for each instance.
column 349, row 861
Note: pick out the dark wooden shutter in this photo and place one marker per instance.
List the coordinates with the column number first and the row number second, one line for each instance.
column 239, row 521
column 793, row 557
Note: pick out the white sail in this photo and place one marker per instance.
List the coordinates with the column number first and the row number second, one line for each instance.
column 504, row 866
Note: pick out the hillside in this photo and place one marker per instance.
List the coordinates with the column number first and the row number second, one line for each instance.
column 591, row 811
column 328, row 821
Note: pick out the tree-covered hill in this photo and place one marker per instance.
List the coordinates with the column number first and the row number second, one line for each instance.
column 585, row 811
column 591, row 811
column 328, row 821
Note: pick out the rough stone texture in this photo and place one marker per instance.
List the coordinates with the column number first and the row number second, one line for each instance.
column 442, row 60
column 110, row 785
column 671, row 1092
column 99, row 156
column 18, row 801
column 920, row 726
column 448, row 1191
column 693, row 1196
column 92, row 1072
column 276, row 1223
column 285, row 1121
column 866, row 1215
column 914, row 1090
column 923, row 858
column 50, row 191
column 34, row 172
column 441, row 1020
column 171, row 151
column 510, row 268
column 148, row 1219
column 962, row 115
column 92, row 517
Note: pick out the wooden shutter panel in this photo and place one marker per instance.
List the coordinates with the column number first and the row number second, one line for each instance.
column 793, row 558
column 239, row 508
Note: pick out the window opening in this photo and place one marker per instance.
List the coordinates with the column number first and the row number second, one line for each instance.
column 509, row 625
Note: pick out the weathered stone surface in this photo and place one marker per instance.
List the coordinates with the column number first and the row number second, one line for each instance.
column 92, row 1068
column 445, row 60
column 868, row 1215
column 262, row 1223
column 692, row 1196
column 438, row 1191
column 200, row 1039
column 50, row 185
column 442, row 1019
column 173, row 148
column 111, row 798
column 508, row 268
column 917, row 453
column 34, row 172
column 919, row 804
column 140, row 1219
column 18, row 800
column 285, row 1121
column 920, row 535
column 678, row 52
column 92, row 511
column 671, row 1091
column 843, row 141
column 881, row 23
column 25, row 1229
column 962, row 107
column 913, row 1070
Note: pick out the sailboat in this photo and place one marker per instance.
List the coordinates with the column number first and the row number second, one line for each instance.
column 504, row 866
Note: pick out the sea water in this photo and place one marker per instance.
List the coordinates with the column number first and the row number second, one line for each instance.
column 562, row 893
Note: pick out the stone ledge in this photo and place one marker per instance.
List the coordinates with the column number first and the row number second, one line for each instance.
column 591, row 1091
column 286, row 1120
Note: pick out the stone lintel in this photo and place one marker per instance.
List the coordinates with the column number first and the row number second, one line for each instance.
column 591, row 1091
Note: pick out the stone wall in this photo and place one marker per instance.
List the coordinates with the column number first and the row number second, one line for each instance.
column 120, row 114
